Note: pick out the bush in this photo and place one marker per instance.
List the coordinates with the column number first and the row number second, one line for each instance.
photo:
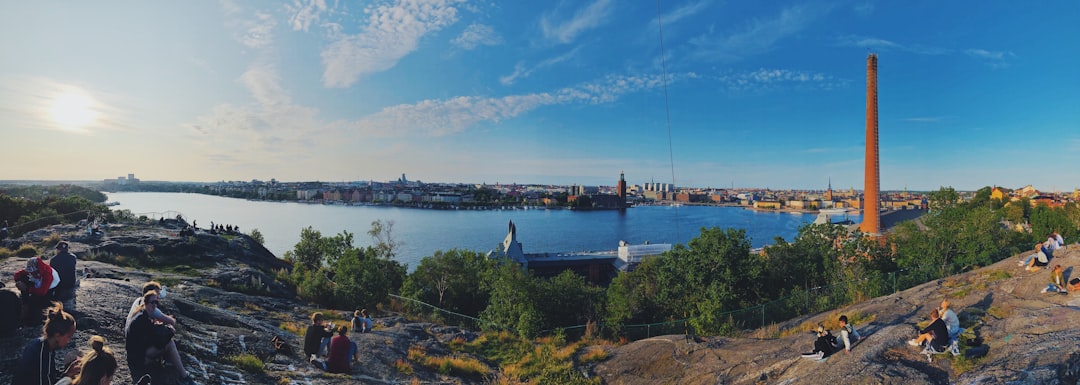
column 248, row 362
column 5, row 253
column 257, row 236
column 26, row 251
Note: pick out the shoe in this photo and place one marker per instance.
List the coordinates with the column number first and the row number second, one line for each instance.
column 1019, row 263
column 913, row 343
column 1045, row 289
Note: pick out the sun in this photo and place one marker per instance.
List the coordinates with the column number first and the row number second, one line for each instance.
column 73, row 109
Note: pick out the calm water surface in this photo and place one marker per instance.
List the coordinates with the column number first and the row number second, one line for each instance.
column 425, row 231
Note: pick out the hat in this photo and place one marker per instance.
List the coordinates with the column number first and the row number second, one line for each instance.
column 62, row 245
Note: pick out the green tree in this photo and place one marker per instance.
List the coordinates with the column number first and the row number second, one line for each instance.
column 716, row 273
column 257, row 236
column 308, row 252
column 511, row 305
column 567, row 300
column 383, row 235
column 451, row 280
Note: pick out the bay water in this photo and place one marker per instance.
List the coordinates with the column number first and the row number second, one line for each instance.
column 422, row 231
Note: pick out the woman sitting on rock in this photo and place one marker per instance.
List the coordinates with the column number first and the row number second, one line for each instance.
column 148, row 340
column 341, row 351
column 37, row 364
column 96, row 367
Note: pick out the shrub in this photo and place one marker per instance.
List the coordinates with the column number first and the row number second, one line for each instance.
column 257, row 236
column 51, row 240
column 293, row 327
column 26, row 251
column 403, row 367
column 5, row 253
column 594, row 354
column 248, row 362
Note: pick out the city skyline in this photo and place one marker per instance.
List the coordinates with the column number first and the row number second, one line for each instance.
column 763, row 95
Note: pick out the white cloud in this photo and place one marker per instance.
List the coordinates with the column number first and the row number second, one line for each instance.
column 768, row 79
column 304, row 13
column 995, row 59
column 441, row 117
column 271, row 124
column 758, row 37
column 521, row 72
column 888, row 45
column 585, row 19
column 392, row 32
column 681, row 13
column 476, row 35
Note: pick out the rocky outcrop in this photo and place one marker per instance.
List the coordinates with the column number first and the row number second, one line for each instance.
column 1028, row 337
column 222, row 292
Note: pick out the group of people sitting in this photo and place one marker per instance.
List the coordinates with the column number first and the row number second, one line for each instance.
column 148, row 335
column 1044, row 252
column 943, row 329
column 826, row 344
column 41, row 283
column 339, row 351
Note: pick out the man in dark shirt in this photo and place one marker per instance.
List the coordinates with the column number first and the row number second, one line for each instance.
column 315, row 334
column 64, row 264
column 937, row 333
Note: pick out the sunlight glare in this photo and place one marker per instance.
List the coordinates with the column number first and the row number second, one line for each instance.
column 73, row 109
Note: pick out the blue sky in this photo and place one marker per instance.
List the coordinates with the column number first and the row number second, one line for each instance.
column 760, row 94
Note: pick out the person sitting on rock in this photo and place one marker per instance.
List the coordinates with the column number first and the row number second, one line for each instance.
column 317, row 336
column 64, row 265
column 952, row 323
column 824, row 345
column 848, row 334
column 342, row 350
column 1044, row 252
column 361, row 323
column 37, row 365
column 35, row 283
column 937, row 334
column 148, row 340
column 1057, row 281
column 96, row 367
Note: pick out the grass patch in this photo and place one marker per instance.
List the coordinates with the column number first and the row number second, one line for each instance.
column 994, row 276
column 961, row 293
column 26, row 251
column 5, row 253
column 166, row 281
column 832, row 322
column 295, row 328
column 593, row 354
column 51, row 240
column 999, row 312
column 248, row 362
column 501, row 347
column 404, row 367
column 455, row 365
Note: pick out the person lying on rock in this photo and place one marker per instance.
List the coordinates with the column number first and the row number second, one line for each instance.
column 148, row 339
column 937, row 334
column 37, row 365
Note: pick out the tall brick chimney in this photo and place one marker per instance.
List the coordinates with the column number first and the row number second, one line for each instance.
column 871, row 222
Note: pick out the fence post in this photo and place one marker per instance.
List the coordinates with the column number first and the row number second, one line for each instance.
column 894, row 287
column 648, row 330
column 762, row 315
